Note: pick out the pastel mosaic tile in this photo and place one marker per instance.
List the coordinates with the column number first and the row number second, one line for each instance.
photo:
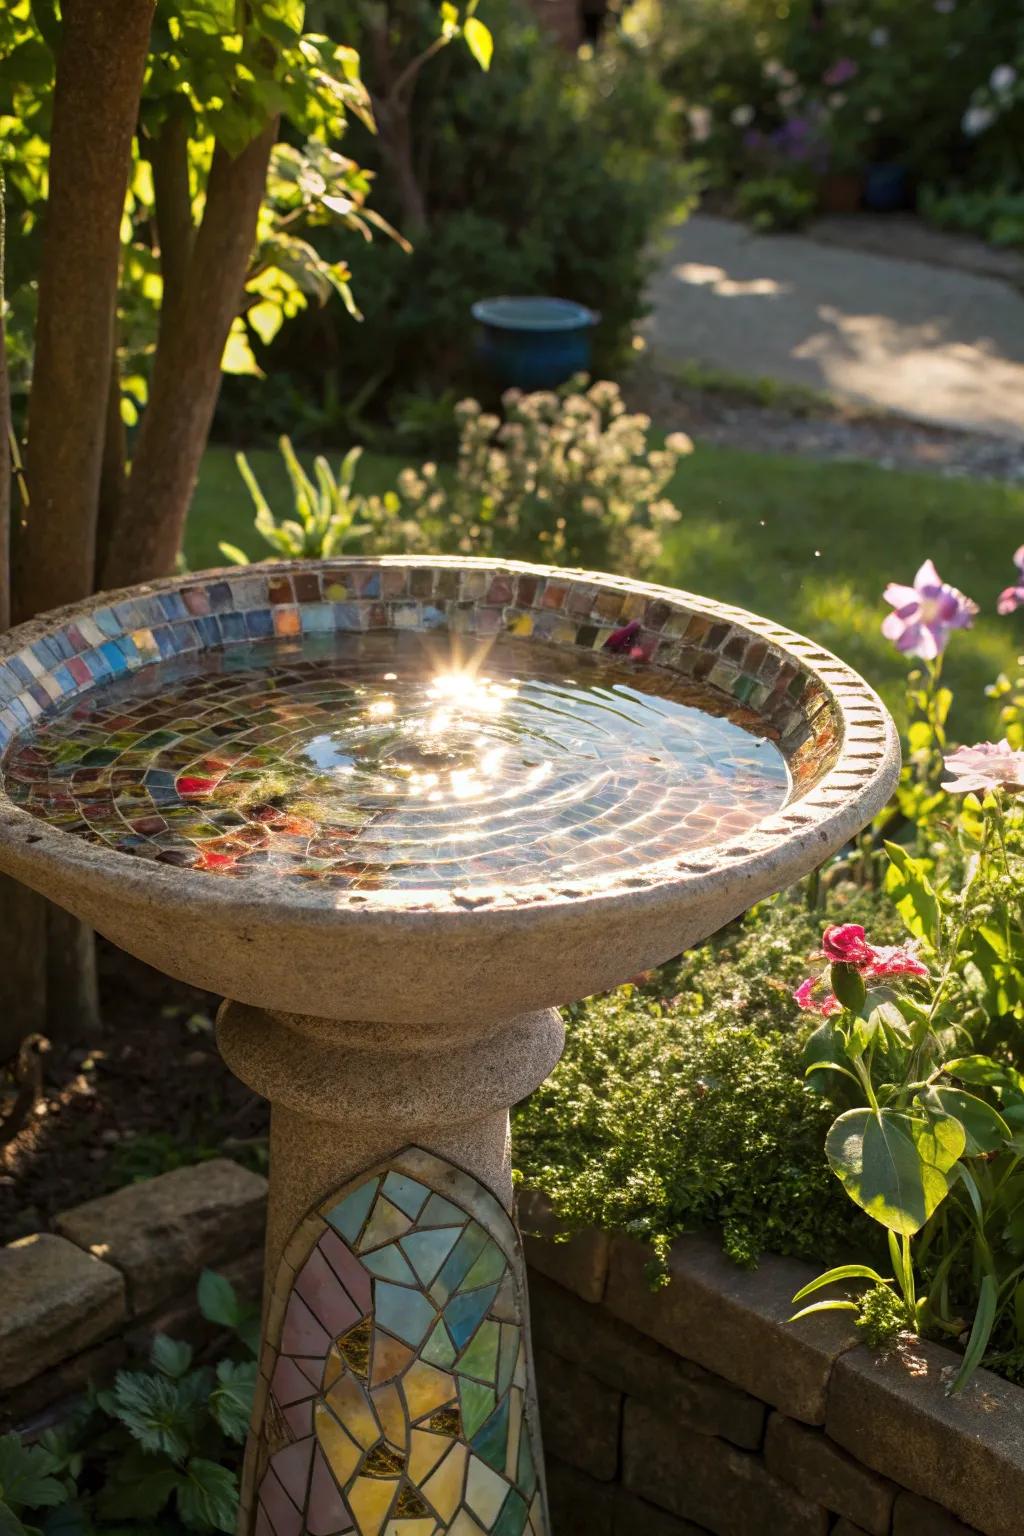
column 391, row 1408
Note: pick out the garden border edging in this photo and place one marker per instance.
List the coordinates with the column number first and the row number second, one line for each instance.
column 691, row 1409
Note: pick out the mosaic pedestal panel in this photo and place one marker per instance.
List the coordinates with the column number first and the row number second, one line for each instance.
column 395, row 1397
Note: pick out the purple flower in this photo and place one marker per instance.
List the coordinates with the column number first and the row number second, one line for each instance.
column 1012, row 598
column 925, row 614
column 840, row 72
column 989, row 765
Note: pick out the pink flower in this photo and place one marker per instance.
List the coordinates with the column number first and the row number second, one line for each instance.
column 1012, row 598
column 989, row 765
column 847, row 944
column 897, row 960
column 926, row 614
column 840, row 72
column 825, row 1003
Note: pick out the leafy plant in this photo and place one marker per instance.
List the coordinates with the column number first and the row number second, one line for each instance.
column 775, row 203
column 156, row 1452
column 327, row 510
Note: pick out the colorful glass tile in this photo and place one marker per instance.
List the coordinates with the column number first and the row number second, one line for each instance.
column 400, row 1417
column 444, row 1488
column 390, row 1264
column 486, row 1491
column 386, row 1222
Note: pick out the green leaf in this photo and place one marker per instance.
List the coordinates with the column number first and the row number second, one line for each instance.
column 912, row 891
column 160, row 1414
column 233, row 555
column 231, row 1399
column 238, row 356
column 981, row 1332
column 894, row 1167
column 170, row 1356
column 848, row 986
column 824, row 1306
column 985, row 1072
column 985, row 1128
column 208, row 1496
column 479, row 41
column 10, row 1525
column 27, row 1475
column 841, row 1272
column 217, row 1300
column 140, row 1496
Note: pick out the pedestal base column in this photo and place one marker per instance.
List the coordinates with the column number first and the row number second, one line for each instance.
column 396, row 1393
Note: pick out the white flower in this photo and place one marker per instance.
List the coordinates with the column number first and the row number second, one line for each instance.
column 944, row 7
column 873, row 115
column 1002, row 79
column 700, row 123
column 879, row 37
column 742, row 117
column 976, row 119
column 837, row 100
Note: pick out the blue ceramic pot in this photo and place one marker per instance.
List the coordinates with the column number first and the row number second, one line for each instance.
column 886, row 188
column 533, row 343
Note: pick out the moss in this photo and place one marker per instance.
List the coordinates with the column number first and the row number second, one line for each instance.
column 680, row 1102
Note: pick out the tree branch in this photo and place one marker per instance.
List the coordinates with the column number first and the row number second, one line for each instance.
column 186, row 370
column 172, row 200
column 5, row 435
column 95, row 106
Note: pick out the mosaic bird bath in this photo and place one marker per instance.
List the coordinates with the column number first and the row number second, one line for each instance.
column 395, row 811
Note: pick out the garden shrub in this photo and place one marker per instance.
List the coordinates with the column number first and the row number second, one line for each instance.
column 679, row 1102
column 804, row 90
column 548, row 174
column 568, row 475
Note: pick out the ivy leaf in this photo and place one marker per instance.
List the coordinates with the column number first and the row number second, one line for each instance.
column 160, row 1414
column 894, row 1167
column 479, row 41
column 208, row 1496
column 170, row 1356
column 26, row 1475
column 231, row 1399
column 217, row 1299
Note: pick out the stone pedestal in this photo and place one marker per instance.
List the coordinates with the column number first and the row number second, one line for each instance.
column 395, row 1394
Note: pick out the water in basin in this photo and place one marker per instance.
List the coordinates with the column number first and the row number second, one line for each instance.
column 361, row 762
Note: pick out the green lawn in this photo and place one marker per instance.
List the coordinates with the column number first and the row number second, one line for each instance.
column 809, row 544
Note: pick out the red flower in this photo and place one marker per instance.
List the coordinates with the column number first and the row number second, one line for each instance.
column 847, row 944
column 825, row 1004
column 620, row 642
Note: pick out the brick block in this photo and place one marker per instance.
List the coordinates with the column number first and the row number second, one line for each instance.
column 825, row 1474
column 160, row 1234
column 714, row 1485
column 734, row 1322
column 893, row 1413
column 630, row 1362
column 580, row 1263
column 58, row 1301
column 579, row 1417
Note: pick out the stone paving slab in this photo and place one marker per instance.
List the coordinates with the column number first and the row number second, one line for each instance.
column 936, row 344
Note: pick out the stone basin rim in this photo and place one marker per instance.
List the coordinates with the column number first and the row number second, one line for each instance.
column 813, row 821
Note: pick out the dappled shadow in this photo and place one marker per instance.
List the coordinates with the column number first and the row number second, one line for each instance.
column 937, row 344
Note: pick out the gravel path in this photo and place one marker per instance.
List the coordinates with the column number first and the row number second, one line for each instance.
column 716, row 416
column 936, row 344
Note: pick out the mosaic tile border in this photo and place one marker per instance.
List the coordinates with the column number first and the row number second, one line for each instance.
column 394, row 1396
column 831, row 727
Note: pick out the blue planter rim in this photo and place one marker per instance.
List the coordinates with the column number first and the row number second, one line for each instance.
column 533, row 313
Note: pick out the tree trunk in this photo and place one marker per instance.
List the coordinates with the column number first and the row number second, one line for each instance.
column 113, row 466
column 186, row 372
column 95, row 106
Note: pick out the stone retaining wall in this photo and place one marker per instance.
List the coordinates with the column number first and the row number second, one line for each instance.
column 693, row 1409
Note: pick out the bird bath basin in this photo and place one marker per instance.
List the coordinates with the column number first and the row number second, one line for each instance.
column 395, row 811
